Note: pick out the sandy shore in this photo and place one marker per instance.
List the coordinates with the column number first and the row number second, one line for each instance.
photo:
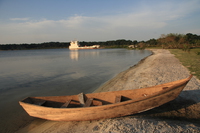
column 180, row 115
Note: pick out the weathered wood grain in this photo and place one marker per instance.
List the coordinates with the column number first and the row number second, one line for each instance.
column 104, row 105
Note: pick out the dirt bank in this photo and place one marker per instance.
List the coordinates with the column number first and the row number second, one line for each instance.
column 180, row 115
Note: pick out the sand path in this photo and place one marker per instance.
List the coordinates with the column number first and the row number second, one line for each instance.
column 180, row 115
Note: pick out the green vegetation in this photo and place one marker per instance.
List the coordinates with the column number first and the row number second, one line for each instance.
column 45, row 45
column 191, row 59
column 169, row 41
column 179, row 41
column 121, row 43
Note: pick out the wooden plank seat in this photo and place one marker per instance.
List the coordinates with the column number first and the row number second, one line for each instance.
column 118, row 99
column 65, row 105
column 82, row 97
column 88, row 102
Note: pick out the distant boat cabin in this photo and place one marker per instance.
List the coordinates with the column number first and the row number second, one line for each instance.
column 76, row 45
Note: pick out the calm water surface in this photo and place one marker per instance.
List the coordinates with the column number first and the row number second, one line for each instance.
column 50, row 72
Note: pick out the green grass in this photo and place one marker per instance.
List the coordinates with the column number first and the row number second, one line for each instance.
column 191, row 60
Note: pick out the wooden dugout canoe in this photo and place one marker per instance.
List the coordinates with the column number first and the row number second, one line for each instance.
column 102, row 105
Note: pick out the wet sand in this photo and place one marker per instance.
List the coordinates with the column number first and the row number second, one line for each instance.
column 179, row 115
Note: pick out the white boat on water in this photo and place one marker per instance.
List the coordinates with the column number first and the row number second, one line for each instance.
column 76, row 45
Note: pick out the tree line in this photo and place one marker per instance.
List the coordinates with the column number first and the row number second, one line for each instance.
column 45, row 45
column 169, row 41
column 179, row 41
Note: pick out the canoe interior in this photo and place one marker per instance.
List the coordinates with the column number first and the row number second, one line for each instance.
column 103, row 98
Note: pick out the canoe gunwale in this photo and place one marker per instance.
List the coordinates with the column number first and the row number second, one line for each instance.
column 166, row 90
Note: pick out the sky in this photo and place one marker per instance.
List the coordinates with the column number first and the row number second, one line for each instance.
column 37, row 21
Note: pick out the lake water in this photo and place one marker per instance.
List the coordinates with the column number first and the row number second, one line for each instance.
column 51, row 72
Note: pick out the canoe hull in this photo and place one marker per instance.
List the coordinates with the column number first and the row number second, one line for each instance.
column 106, row 111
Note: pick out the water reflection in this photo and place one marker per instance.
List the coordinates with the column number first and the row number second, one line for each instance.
column 142, row 51
column 74, row 55
column 77, row 54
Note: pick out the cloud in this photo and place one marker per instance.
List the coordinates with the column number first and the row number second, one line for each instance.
column 19, row 19
column 140, row 24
